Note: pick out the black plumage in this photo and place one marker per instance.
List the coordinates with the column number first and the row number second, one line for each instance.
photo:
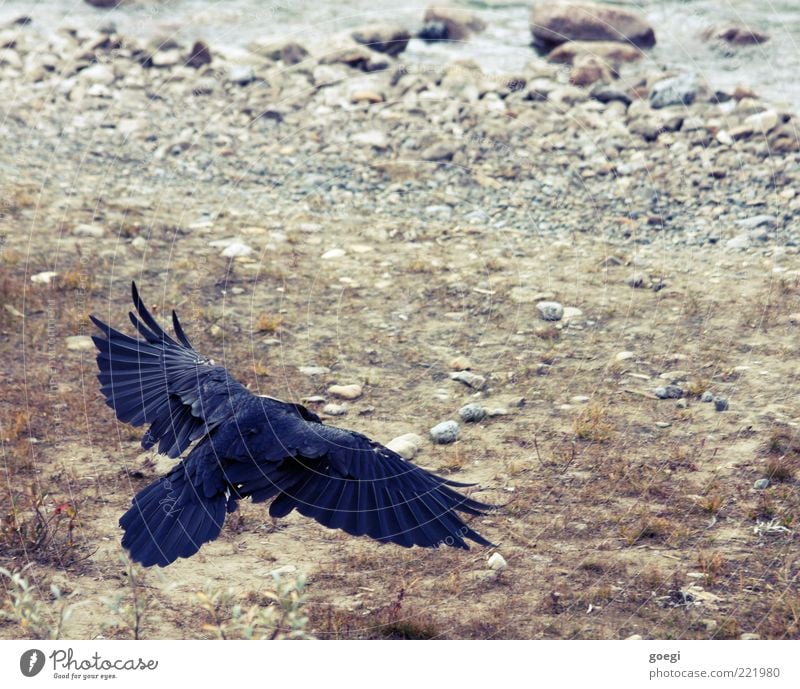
column 256, row 447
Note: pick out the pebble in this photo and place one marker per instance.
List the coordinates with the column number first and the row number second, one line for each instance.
column 720, row 404
column 241, row 75
column 637, row 280
column 757, row 221
column 333, row 253
column 469, row 379
column 438, row 153
column 314, row 370
column 680, row 90
column 80, row 343
column 668, row 392
column 763, row 122
column 749, row 636
column 332, row 409
column 445, row 432
column 373, row 138
column 496, row 562
column 624, row 356
column 44, row 278
column 472, row 413
column 761, row 484
column 571, row 314
column 406, row 445
column 346, row 392
column 707, row 396
column 497, row 411
column 579, row 399
column 95, row 231
column 550, row 310
column 741, row 241
column 236, row 249
column 98, row 74
column 460, row 363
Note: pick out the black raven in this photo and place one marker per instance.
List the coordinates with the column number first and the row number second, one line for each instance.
column 257, row 447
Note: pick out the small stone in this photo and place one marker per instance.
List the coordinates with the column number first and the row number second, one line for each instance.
column 724, row 138
column 406, row 445
column 334, row 409
column 216, row 332
column 497, row 562
column 366, row 96
column 761, row 484
column 438, row 153
column 663, row 424
column 165, row 58
column 497, row 411
column 80, row 343
column 345, row 392
column 624, row 356
column 472, row 413
column 374, row 138
column 44, row 278
column 741, row 241
column 756, row 221
column 749, row 636
column 637, row 280
column 235, row 249
column 681, row 90
column 199, row 56
column 460, row 363
column 314, row 370
column 579, row 399
column 470, row 379
column 98, row 74
column 333, row 253
column 634, row 637
column 445, row 432
column 682, row 403
column 550, row 310
column 241, row 75
column 720, row 404
column 89, row 231
column 707, row 396
column 668, row 392
column 763, row 122
column 571, row 314
column 139, row 243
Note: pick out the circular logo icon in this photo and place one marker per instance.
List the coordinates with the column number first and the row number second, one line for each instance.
column 31, row 662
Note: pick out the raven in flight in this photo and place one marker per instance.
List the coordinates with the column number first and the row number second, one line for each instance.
column 257, row 447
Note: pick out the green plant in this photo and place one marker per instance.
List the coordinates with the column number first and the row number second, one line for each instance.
column 129, row 608
column 283, row 617
column 37, row 619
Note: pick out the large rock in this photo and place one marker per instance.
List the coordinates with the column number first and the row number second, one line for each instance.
column 611, row 52
column 735, row 34
column 450, row 24
column 384, row 38
column 554, row 23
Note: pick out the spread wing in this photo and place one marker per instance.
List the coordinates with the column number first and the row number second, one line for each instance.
column 162, row 382
column 346, row 481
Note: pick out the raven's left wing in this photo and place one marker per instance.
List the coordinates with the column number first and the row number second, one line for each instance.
column 163, row 382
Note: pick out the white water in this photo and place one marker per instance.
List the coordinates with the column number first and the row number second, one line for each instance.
column 771, row 68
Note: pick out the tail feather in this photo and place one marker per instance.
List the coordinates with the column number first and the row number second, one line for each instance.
column 169, row 519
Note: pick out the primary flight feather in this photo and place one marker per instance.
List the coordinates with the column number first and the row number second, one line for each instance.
column 258, row 447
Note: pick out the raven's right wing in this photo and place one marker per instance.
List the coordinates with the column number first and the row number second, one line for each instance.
column 165, row 383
